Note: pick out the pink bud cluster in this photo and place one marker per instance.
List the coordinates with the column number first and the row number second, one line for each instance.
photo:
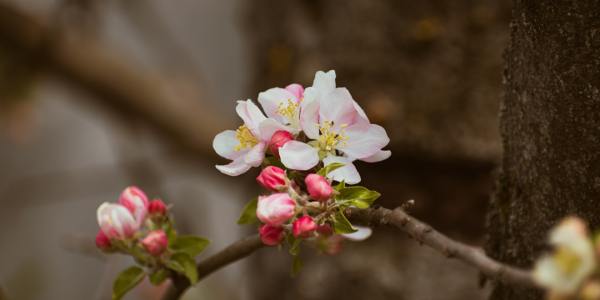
column 289, row 210
column 133, row 222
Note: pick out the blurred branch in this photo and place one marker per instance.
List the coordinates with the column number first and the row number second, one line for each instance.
column 119, row 85
column 232, row 253
column 398, row 218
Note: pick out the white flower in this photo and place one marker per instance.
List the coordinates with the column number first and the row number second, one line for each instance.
column 246, row 146
column 339, row 129
column 283, row 105
column 573, row 260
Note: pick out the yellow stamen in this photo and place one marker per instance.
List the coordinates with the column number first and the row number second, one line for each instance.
column 328, row 139
column 245, row 137
column 567, row 260
column 288, row 109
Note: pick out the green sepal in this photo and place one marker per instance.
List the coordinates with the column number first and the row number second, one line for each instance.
column 126, row 281
column 184, row 264
column 159, row 276
column 329, row 168
column 358, row 196
column 338, row 187
column 341, row 224
column 248, row 215
column 191, row 245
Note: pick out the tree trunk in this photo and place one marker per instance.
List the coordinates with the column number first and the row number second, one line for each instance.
column 550, row 125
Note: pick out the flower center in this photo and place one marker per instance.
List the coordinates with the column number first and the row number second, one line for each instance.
column 245, row 137
column 288, row 110
column 329, row 139
column 567, row 260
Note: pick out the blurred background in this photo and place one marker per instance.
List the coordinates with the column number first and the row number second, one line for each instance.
column 96, row 95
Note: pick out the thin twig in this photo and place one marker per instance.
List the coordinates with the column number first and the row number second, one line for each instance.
column 398, row 218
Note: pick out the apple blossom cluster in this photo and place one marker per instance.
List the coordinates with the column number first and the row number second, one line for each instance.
column 571, row 270
column 306, row 142
column 144, row 230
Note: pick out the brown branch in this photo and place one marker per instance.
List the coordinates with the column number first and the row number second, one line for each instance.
column 416, row 229
column 232, row 253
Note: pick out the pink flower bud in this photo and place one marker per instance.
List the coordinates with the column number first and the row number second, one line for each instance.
column 303, row 226
column 136, row 201
column 318, row 187
column 275, row 209
column 155, row 242
column 272, row 178
column 278, row 139
column 157, row 207
column 270, row 235
column 296, row 89
column 116, row 221
column 102, row 241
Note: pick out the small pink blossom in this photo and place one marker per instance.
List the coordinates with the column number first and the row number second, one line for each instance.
column 272, row 178
column 136, row 201
column 102, row 241
column 155, row 242
column 279, row 138
column 270, row 235
column 275, row 209
column 318, row 187
column 157, row 207
column 303, row 226
column 116, row 221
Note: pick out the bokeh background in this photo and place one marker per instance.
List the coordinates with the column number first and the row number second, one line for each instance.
column 96, row 95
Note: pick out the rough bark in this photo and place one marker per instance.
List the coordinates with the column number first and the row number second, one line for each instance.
column 550, row 125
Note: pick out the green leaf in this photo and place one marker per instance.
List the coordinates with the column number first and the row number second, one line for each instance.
column 341, row 224
column 296, row 265
column 159, row 276
column 127, row 280
column 338, row 187
column 248, row 215
column 294, row 244
column 358, row 196
column 329, row 168
column 191, row 245
column 184, row 264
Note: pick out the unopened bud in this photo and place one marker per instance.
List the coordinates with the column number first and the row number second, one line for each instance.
column 318, row 187
column 155, row 242
column 303, row 226
column 272, row 178
column 270, row 235
column 279, row 138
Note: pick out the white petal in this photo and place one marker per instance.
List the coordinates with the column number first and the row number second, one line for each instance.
column 225, row 143
column 364, row 141
column 271, row 99
column 234, row 168
column 338, row 106
column 361, row 115
column 251, row 115
column 256, row 155
column 348, row 173
column 361, row 234
column 309, row 118
column 324, row 82
column 379, row 156
column 298, row 156
column 269, row 126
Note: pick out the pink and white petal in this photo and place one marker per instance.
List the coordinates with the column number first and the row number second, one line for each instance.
column 379, row 156
column 324, row 82
column 256, row 155
column 251, row 115
column 234, row 168
column 348, row 173
column 361, row 115
column 298, row 156
column 225, row 143
column 297, row 90
column 364, row 140
column 362, row 233
column 338, row 106
column 271, row 99
column 309, row 118
column 269, row 126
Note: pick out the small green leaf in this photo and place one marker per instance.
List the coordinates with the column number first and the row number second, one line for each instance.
column 358, row 196
column 341, row 224
column 184, row 264
column 159, row 276
column 127, row 280
column 296, row 265
column 248, row 215
column 329, row 168
column 338, row 187
column 191, row 245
